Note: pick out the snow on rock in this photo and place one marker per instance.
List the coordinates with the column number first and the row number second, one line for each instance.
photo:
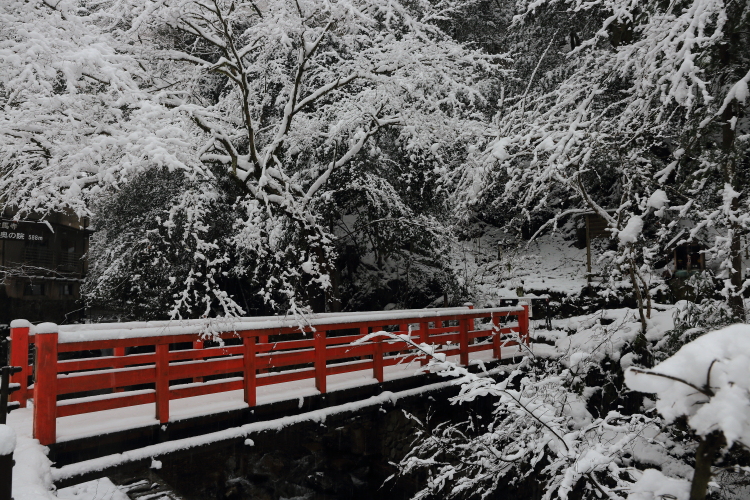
column 632, row 230
column 98, row 489
column 707, row 380
column 653, row 485
column 7, row 440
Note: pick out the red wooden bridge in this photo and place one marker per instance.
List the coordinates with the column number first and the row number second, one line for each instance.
column 82, row 369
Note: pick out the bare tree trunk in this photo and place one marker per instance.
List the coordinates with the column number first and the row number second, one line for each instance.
column 704, row 459
column 637, row 291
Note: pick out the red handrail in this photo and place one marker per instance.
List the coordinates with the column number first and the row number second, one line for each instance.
column 256, row 362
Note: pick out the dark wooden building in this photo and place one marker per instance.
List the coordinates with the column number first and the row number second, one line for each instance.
column 42, row 266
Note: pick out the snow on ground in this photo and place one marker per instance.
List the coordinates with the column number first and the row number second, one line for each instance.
column 548, row 264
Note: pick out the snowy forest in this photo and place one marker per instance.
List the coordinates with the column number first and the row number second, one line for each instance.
column 255, row 157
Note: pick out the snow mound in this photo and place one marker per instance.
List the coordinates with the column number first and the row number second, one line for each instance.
column 708, row 380
column 7, row 440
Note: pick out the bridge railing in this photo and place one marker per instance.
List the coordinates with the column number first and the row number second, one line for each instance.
column 181, row 361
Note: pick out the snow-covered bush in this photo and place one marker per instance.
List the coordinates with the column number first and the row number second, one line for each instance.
column 708, row 382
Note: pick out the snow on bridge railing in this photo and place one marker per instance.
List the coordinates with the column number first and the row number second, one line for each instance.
column 252, row 352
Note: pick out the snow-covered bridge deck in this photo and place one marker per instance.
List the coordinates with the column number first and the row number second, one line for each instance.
column 267, row 368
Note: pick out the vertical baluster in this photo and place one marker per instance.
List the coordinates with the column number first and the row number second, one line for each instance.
column 423, row 339
column 162, row 383
column 320, row 360
column 250, row 382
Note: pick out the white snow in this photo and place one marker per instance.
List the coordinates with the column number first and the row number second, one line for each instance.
column 653, row 485
column 632, row 230
column 98, row 489
column 658, row 201
column 7, row 440
column 707, row 380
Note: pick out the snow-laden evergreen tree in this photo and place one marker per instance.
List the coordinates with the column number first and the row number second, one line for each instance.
column 643, row 121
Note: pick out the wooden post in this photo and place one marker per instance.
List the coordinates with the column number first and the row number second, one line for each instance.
column 377, row 360
column 320, row 361
column 45, row 384
column 118, row 351
column 463, row 324
column 19, row 356
column 364, row 330
column 496, row 350
column 523, row 324
column 162, row 383
column 423, row 338
column 588, row 249
column 250, row 373
column 197, row 344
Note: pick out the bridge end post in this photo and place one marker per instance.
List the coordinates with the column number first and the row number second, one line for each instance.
column 320, row 361
column 162, row 383
column 523, row 324
column 250, row 382
column 45, row 384
column 19, row 356
column 464, row 341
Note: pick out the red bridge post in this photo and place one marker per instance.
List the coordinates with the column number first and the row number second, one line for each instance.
column 250, row 382
column 162, row 383
column 523, row 324
column 464, row 341
column 45, row 383
column 19, row 356
column 320, row 360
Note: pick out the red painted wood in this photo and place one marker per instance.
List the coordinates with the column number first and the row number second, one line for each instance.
column 320, row 360
column 200, row 354
column 198, row 346
column 285, row 345
column 45, row 388
column 277, row 360
column 424, row 335
column 348, row 351
column 19, row 356
column 177, row 392
column 104, row 404
column 217, row 366
column 464, row 342
column 74, row 365
column 496, row 351
column 480, row 347
column 442, row 330
column 349, row 367
column 280, row 378
column 247, row 360
column 249, row 382
column 92, row 381
column 162, row 383
column 377, row 361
